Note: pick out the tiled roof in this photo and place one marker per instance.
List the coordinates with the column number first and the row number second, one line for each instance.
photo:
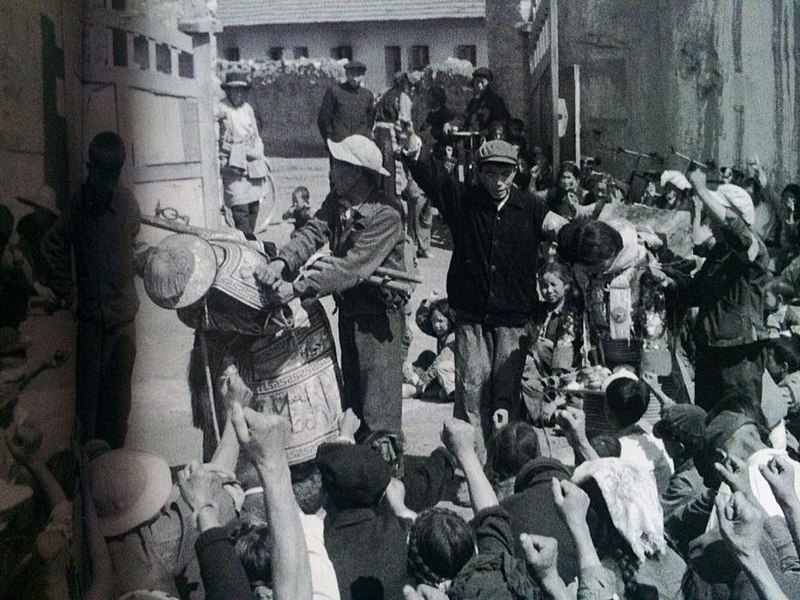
column 262, row 12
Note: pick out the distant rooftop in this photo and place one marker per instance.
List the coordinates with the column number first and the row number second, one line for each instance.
column 269, row 12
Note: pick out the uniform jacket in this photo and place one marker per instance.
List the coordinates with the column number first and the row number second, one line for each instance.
column 346, row 111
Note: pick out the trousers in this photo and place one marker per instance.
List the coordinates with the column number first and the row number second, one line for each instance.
column 103, row 369
column 489, row 363
column 372, row 368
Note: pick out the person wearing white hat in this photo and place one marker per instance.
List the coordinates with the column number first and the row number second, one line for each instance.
column 728, row 290
column 363, row 226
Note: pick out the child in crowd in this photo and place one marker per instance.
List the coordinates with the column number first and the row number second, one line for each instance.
column 782, row 362
column 300, row 210
column 436, row 381
column 781, row 313
column 554, row 336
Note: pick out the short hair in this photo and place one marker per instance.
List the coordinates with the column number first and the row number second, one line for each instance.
column 511, row 447
column 627, row 399
column 253, row 547
column 440, row 543
column 107, row 151
column 438, row 94
column 307, row 486
column 557, row 268
column 569, row 166
column 301, row 191
column 588, row 242
column 786, row 350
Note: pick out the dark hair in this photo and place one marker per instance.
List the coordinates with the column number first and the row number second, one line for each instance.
column 571, row 167
column 438, row 94
column 793, row 189
column 510, row 448
column 606, row 445
column 786, row 350
column 627, row 399
column 588, row 242
column 781, row 288
column 307, row 486
column 253, row 547
column 301, row 191
column 758, row 189
column 440, row 543
column 557, row 268
column 107, row 152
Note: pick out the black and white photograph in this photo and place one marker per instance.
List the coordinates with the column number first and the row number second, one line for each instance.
column 399, row 299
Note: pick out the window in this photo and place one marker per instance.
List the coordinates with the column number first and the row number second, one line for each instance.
column 468, row 52
column 232, row 54
column 163, row 58
column 419, row 58
column 393, row 62
column 300, row 51
column 340, row 52
column 275, row 53
column 186, row 65
column 141, row 52
column 119, row 47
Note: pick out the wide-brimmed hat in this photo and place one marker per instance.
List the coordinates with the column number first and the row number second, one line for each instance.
column 360, row 151
column 129, row 487
column 45, row 198
column 179, row 271
column 236, row 79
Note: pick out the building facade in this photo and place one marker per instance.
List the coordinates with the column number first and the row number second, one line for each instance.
column 386, row 35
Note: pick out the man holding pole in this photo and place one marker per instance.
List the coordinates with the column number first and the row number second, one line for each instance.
column 364, row 228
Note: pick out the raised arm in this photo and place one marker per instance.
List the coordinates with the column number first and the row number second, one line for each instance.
column 263, row 438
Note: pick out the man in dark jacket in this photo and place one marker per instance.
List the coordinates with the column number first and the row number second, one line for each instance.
column 99, row 229
column 491, row 282
column 364, row 228
column 348, row 108
column 486, row 109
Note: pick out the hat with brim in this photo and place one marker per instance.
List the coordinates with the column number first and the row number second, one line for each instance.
column 675, row 178
column 179, row 271
column 45, row 198
column 129, row 488
column 360, row 151
column 236, row 79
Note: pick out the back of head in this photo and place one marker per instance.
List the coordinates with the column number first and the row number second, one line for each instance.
column 627, row 399
column 786, row 351
column 440, row 543
column 106, row 153
column 253, row 547
column 606, row 445
column 588, row 242
column 307, row 486
column 511, row 447
column 352, row 476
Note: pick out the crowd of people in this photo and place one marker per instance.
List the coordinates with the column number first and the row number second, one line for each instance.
column 673, row 377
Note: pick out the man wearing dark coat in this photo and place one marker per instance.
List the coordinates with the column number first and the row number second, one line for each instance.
column 348, row 108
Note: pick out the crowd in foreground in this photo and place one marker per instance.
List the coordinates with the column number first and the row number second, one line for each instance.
column 672, row 376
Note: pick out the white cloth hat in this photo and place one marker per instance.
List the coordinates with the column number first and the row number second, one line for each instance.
column 737, row 199
column 45, row 198
column 677, row 179
column 360, row 151
column 129, row 487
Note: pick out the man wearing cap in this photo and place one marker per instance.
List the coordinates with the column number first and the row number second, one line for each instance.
column 729, row 291
column 99, row 228
column 241, row 154
column 347, row 108
column 363, row 226
column 491, row 282
column 486, row 108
